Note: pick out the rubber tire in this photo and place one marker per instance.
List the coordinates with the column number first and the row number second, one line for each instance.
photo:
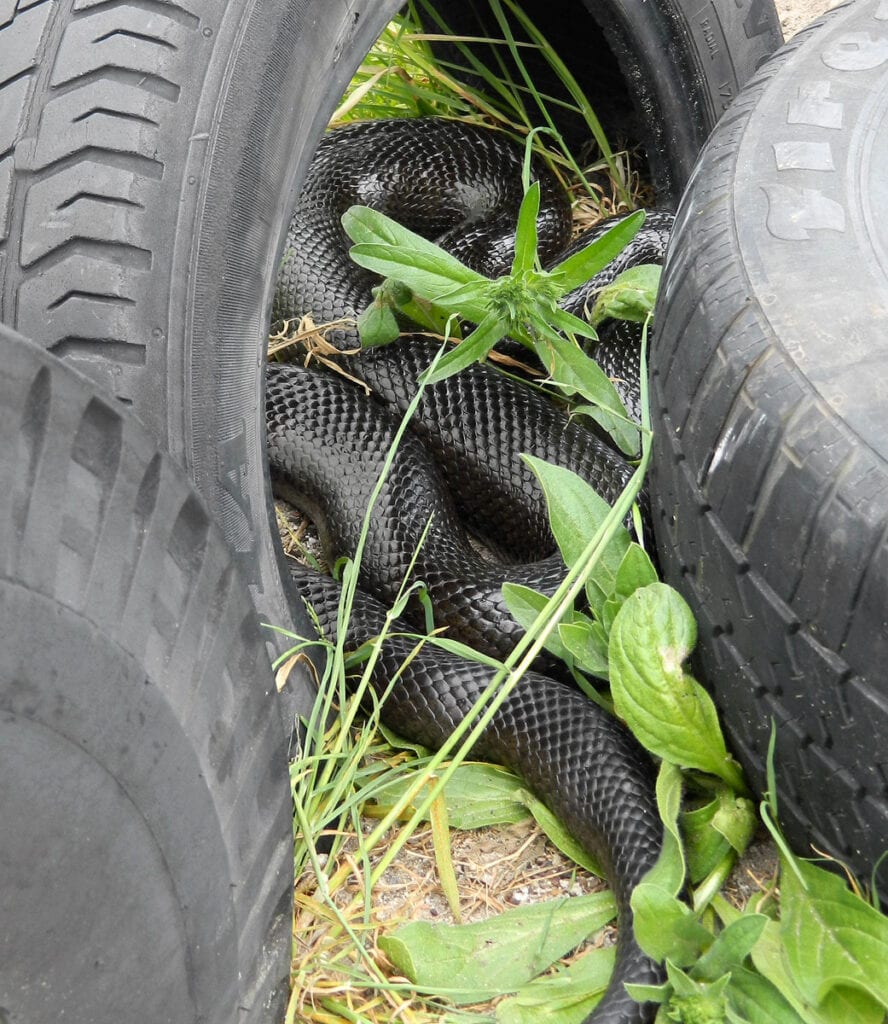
column 146, row 850
column 149, row 156
column 662, row 74
column 770, row 478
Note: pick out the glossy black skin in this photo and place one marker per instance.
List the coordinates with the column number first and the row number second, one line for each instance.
column 459, row 464
column 327, row 444
column 578, row 759
column 461, row 185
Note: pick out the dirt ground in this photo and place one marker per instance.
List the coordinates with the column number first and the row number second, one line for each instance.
column 795, row 14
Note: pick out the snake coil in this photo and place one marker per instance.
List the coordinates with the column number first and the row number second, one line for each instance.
column 327, row 445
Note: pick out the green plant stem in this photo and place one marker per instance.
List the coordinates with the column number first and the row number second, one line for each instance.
column 714, row 881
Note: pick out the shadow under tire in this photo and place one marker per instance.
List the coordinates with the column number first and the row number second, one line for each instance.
column 768, row 394
column 146, row 844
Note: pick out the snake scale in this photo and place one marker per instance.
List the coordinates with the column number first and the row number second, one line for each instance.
column 459, row 468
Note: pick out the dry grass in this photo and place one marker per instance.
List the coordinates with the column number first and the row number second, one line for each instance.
column 497, row 869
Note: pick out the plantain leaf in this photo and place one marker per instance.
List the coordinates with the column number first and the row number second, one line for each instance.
column 525, row 605
column 636, row 571
column 726, row 822
column 475, row 962
column 669, row 712
column 754, row 998
column 848, row 1005
column 576, row 511
column 832, row 937
column 586, row 641
column 567, row 997
column 666, row 927
column 731, row 947
column 476, row 795
column 559, row 835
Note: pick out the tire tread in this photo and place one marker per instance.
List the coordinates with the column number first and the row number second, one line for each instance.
column 760, row 490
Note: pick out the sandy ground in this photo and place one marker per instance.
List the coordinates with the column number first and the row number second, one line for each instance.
column 795, row 14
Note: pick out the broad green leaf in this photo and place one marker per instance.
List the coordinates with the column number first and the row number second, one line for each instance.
column 365, row 226
column 567, row 997
column 430, row 275
column 578, row 268
column 756, row 999
column 476, row 796
column 666, row 927
column 669, row 871
column 832, row 937
column 576, row 511
column 623, row 432
column 669, row 712
column 472, row 349
column 731, row 947
column 848, row 1006
column 525, row 605
column 631, row 296
column 475, row 962
column 851, row 1006
column 704, row 846
column 571, row 324
column 636, row 571
column 586, row 641
column 609, row 612
column 736, row 820
column 575, row 371
column 526, row 232
column 470, row 301
column 649, row 993
column 559, row 834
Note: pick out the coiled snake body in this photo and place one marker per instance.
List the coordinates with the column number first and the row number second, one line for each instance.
column 327, row 442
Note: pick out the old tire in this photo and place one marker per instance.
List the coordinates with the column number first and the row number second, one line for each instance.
column 658, row 74
column 149, row 155
column 768, row 387
column 146, row 846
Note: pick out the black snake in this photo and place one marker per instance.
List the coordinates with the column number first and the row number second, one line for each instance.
column 327, row 442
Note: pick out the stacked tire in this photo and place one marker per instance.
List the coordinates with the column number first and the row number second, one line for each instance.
column 146, row 849
column 769, row 392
